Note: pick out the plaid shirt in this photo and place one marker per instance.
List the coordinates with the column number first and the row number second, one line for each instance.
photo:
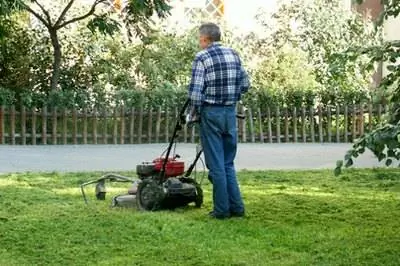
column 218, row 77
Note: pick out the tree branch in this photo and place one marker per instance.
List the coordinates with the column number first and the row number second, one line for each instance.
column 64, row 12
column 91, row 12
column 30, row 10
column 45, row 12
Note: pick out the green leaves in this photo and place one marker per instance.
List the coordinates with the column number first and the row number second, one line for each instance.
column 324, row 32
column 338, row 169
column 7, row 7
column 7, row 97
column 138, row 13
column 349, row 163
column 104, row 24
column 384, row 142
column 146, row 8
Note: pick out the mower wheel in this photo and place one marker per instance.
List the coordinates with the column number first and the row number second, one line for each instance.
column 199, row 191
column 149, row 195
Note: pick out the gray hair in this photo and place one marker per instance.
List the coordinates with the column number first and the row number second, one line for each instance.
column 211, row 30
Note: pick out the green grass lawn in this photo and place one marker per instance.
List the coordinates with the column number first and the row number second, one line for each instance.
column 294, row 218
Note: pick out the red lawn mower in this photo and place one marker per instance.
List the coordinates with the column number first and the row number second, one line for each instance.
column 163, row 182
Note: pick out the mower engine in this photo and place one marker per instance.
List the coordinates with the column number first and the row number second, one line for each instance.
column 173, row 168
column 166, row 189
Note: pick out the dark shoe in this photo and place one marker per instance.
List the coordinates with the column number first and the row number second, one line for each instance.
column 237, row 214
column 212, row 214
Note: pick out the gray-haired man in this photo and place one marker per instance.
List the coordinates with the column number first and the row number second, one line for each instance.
column 217, row 83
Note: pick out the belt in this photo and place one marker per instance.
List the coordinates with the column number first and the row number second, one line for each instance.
column 218, row 104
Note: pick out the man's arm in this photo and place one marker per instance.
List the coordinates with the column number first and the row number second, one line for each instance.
column 244, row 77
column 197, row 83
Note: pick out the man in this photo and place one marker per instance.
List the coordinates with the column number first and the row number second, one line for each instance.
column 217, row 83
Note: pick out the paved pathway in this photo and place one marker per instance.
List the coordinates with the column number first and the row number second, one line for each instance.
column 125, row 157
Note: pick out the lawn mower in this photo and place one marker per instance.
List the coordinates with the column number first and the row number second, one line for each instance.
column 161, row 183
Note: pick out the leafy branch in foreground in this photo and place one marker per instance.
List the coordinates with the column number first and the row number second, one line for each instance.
column 383, row 141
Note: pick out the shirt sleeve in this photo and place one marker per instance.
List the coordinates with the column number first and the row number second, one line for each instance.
column 244, row 77
column 197, row 83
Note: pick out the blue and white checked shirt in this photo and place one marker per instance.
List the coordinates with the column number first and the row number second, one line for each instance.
column 218, row 77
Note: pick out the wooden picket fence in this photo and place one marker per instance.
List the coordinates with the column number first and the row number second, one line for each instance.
column 138, row 125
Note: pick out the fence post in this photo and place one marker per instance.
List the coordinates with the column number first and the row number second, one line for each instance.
column 320, row 124
column 65, row 126
column 370, row 117
column 132, row 126
column 329, row 124
column 44, row 125
column 122, row 133
column 286, row 124
column 251, row 125
column 150, row 126
column 23, row 125
column 294, row 124
column 74, row 126
column 105, row 127
column 54, row 126
column 115, row 126
column 312, row 125
column 243, row 124
column 12, row 118
column 354, row 121
column 33, row 135
column 337, row 123
column 361, row 119
column 269, row 125
column 278, row 124
column 185, row 134
column 2, row 139
column 158, row 124
column 85, row 126
column 176, row 117
column 166, row 125
column 303, row 124
column 140, row 124
column 94, row 126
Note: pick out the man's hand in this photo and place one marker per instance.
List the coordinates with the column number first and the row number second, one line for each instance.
column 192, row 119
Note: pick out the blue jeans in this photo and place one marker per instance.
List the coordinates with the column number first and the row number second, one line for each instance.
column 219, row 140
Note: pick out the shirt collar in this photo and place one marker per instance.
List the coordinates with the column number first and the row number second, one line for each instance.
column 213, row 44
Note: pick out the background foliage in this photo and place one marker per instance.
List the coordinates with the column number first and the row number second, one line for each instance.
column 323, row 30
column 292, row 66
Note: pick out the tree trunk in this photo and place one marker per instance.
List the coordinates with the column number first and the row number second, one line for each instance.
column 56, row 60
